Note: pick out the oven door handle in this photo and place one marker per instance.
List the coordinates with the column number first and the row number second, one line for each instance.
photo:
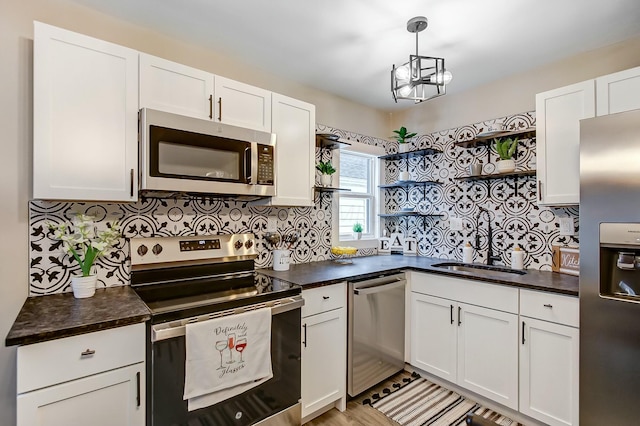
column 178, row 328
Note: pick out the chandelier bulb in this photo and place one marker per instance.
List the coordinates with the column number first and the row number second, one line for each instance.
column 405, row 90
column 403, row 73
column 447, row 77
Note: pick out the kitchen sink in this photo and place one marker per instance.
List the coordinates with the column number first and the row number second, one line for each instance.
column 477, row 269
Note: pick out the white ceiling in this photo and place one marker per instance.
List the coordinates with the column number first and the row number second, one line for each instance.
column 347, row 47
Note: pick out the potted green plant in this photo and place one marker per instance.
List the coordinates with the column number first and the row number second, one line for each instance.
column 326, row 169
column 357, row 230
column 402, row 136
column 505, row 149
column 85, row 244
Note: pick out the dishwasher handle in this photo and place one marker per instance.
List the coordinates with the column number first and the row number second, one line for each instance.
column 379, row 288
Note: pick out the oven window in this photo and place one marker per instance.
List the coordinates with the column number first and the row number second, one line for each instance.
column 166, row 370
column 188, row 155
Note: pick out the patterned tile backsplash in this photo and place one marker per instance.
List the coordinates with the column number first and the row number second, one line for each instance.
column 515, row 217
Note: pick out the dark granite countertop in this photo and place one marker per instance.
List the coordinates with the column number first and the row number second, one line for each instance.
column 315, row 274
column 61, row 315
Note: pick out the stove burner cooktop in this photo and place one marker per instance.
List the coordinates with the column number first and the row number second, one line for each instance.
column 183, row 277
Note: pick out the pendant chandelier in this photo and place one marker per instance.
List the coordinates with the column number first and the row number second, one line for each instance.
column 423, row 77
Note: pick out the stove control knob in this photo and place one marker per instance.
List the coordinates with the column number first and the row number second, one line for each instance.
column 142, row 250
column 248, row 244
column 238, row 245
column 157, row 249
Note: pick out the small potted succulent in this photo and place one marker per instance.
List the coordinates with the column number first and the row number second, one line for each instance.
column 505, row 149
column 357, row 230
column 326, row 169
column 402, row 136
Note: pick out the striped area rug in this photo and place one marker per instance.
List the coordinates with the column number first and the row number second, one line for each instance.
column 421, row 402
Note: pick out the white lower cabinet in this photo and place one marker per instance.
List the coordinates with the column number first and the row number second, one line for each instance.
column 434, row 335
column 549, row 357
column 469, row 333
column 469, row 345
column 98, row 379
column 106, row 399
column 487, row 353
column 324, row 349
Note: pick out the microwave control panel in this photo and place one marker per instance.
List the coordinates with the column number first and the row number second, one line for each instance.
column 265, row 165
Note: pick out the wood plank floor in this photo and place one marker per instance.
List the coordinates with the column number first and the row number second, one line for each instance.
column 357, row 414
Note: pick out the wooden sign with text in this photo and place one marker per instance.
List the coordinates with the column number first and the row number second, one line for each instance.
column 566, row 260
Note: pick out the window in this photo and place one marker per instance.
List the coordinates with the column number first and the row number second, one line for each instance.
column 358, row 172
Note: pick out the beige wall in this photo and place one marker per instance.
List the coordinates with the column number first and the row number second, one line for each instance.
column 517, row 93
column 16, row 47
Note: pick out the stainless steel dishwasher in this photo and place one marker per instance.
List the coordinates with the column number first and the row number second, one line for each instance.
column 376, row 331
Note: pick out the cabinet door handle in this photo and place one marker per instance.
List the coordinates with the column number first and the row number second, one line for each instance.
column 548, row 305
column 325, row 297
column 131, row 183
column 539, row 190
column 138, row 388
column 210, row 106
column 523, row 339
column 88, row 352
column 451, row 313
column 304, row 340
column 459, row 319
column 220, row 109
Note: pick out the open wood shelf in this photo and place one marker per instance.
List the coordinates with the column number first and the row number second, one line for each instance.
column 416, row 214
column 329, row 189
column 528, row 133
column 410, row 154
column 409, row 183
column 329, row 141
column 498, row 175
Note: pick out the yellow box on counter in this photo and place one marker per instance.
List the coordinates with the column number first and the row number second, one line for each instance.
column 565, row 260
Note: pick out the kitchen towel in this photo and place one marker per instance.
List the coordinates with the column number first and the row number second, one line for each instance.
column 226, row 356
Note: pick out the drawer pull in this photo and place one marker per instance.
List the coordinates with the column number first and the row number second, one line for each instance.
column 548, row 305
column 325, row 297
column 88, row 352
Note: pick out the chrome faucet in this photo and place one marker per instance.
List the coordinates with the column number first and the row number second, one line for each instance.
column 490, row 256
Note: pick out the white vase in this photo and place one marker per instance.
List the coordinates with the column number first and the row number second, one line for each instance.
column 506, row 166
column 357, row 235
column 403, row 176
column 325, row 180
column 403, row 147
column 84, row 287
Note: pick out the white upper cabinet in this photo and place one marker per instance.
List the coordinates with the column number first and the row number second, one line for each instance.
column 242, row 105
column 618, row 92
column 85, row 121
column 294, row 124
column 176, row 88
column 558, row 115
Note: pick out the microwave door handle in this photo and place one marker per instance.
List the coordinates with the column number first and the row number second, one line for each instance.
column 247, row 165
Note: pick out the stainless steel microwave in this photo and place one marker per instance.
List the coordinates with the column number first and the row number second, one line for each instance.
column 190, row 155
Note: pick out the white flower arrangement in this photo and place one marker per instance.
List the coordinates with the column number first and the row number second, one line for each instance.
column 83, row 241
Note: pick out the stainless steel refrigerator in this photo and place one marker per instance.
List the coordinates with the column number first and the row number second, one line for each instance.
column 610, row 270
